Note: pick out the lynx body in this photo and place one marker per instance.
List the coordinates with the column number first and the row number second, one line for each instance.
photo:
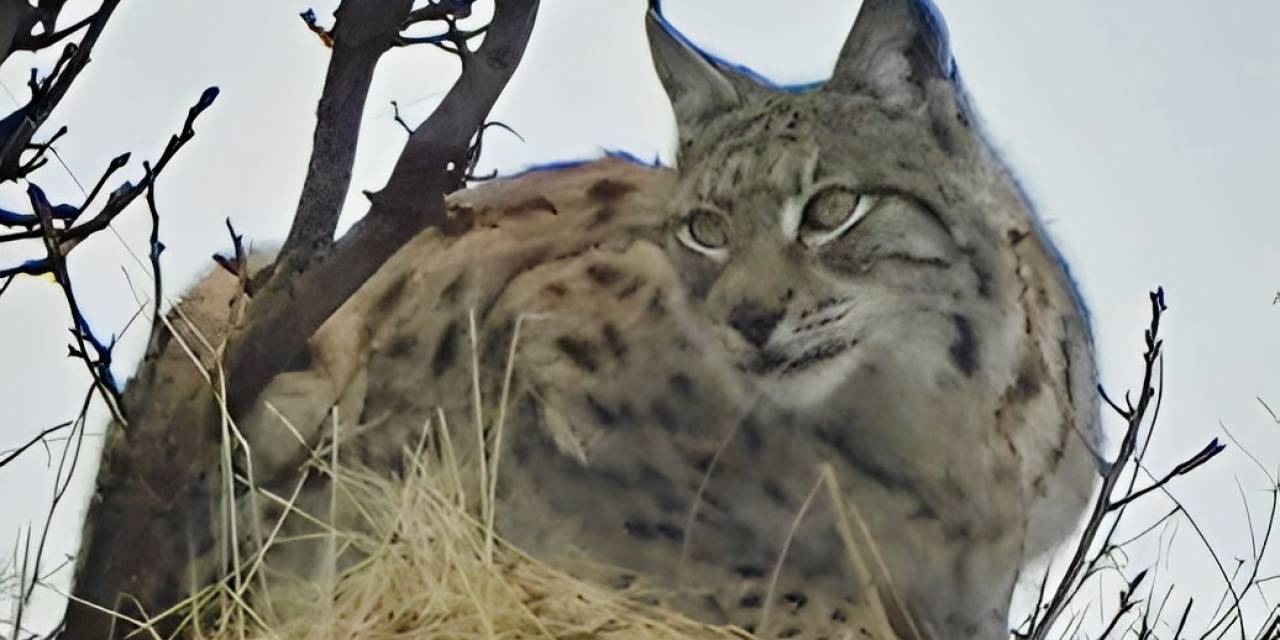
column 846, row 278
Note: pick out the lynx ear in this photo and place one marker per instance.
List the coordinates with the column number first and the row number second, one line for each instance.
column 697, row 88
column 896, row 47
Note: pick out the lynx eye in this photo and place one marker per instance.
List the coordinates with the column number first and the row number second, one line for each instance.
column 831, row 212
column 706, row 232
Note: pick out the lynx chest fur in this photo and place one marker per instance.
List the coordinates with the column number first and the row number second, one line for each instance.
column 844, row 283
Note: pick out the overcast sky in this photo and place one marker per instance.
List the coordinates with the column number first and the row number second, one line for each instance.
column 1146, row 131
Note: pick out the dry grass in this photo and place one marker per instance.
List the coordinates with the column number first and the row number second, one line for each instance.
column 427, row 572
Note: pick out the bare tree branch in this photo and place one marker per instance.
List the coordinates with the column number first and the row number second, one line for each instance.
column 432, row 164
column 365, row 29
column 18, row 127
column 1128, row 446
column 12, row 455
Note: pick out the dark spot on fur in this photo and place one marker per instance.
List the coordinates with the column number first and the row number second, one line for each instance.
column 607, row 190
column 925, row 512
column 964, row 351
column 537, row 203
column 446, row 350
column 557, row 289
column 942, row 134
column 659, row 487
column 639, row 529
column 748, row 572
column 839, row 615
column 451, row 292
column 657, row 307
column 984, row 281
column 401, row 346
column 1065, row 347
column 1016, row 236
column 1026, row 386
column 580, row 352
column 631, row 288
column 789, row 632
column 534, row 256
column 613, row 340
column 702, row 463
column 957, row 532
column 664, row 415
column 602, row 217
column 604, row 275
column 626, row 412
column 682, row 385
column 774, row 493
column 750, row 434
column 603, row 416
column 387, row 300
column 670, row 531
column 751, row 601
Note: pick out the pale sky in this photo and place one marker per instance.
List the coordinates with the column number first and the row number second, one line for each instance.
column 1146, row 131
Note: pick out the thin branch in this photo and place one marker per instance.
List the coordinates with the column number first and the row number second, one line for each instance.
column 156, row 249
column 18, row 127
column 457, row 37
column 1204, row 455
column 395, row 111
column 14, row 453
column 61, row 484
column 27, row 42
column 98, row 364
column 117, row 202
column 309, row 17
column 1135, row 419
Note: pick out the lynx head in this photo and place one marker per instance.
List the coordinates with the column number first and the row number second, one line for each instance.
column 809, row 222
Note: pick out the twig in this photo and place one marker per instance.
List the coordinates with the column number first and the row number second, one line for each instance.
column 61, row 484
column 99, row 364
column 1204, row 455
column 395, row 110
column 14, row 453
column 1101, row 508
column 156, row 246
column 117, row 202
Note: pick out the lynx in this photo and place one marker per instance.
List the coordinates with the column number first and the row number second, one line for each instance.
column 843, row 281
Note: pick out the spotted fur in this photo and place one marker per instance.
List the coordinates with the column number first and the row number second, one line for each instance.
column 675, row 403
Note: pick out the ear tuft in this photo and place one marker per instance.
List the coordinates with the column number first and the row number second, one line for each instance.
column 697, row 89
column 896, row 47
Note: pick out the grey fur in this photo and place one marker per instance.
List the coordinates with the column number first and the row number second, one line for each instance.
column 674, row 400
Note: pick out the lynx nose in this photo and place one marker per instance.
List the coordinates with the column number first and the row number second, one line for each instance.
column 754, row 322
